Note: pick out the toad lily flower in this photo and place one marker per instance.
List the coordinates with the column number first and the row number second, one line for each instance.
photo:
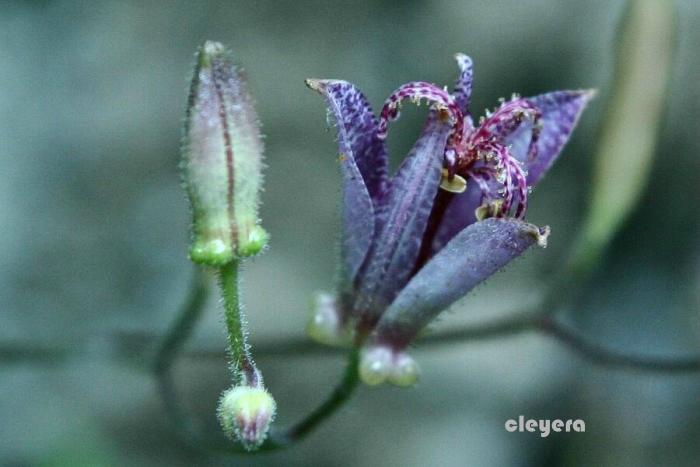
column 451, row 216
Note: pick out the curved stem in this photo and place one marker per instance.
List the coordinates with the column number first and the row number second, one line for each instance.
column 610, row 358
column 340, row 395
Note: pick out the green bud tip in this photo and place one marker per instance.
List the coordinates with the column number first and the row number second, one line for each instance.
column 381, row 364
column 222, row 161
column 405, row 371
column 325, row 325
column 246, row 413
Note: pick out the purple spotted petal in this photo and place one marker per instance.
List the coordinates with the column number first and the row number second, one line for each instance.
column 472, row 256
column 356, row 137
column 560, row 112
column 357, row 131
column 402, row 220
column 358, row 220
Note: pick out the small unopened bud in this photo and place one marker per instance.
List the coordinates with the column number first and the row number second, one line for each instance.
column 246, row 413
column 381, row 364
column 326, row 324
column 375, row 365
column 405, row 371
column 222, row 161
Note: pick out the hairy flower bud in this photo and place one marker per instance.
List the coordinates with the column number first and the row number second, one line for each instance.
column 246, row 413
column 222, row 161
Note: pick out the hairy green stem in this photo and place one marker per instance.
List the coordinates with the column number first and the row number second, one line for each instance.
column 244, row 370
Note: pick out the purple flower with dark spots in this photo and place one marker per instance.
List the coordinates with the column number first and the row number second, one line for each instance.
column 451, row 216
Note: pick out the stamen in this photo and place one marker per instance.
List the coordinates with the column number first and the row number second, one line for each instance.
column 452, row 184
column 490, row 209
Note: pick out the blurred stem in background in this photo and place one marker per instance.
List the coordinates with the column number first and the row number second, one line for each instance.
column 170, row 349
column 630, row 128
column 182, row 328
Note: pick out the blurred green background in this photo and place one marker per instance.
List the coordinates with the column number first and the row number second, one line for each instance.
column 95, row 228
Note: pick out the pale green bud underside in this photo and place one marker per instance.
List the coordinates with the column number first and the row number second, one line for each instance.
column 222, row 161
column 325, row 325
column 246, row 413
column 380, row 365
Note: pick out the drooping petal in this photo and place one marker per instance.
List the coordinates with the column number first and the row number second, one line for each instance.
column 357, row 131
column 402, row 221
column 357, row 142
column 472, row 256
column 560, row 112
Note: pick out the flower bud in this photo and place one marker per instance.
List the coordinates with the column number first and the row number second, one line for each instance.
column 246, row 414
column 375, row 365
column 405, row 371
column 326, row 324
column 380, row 364
column 222, row 161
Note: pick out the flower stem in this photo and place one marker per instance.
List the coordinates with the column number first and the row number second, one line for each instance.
column 245, row 371
column 341, row 394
